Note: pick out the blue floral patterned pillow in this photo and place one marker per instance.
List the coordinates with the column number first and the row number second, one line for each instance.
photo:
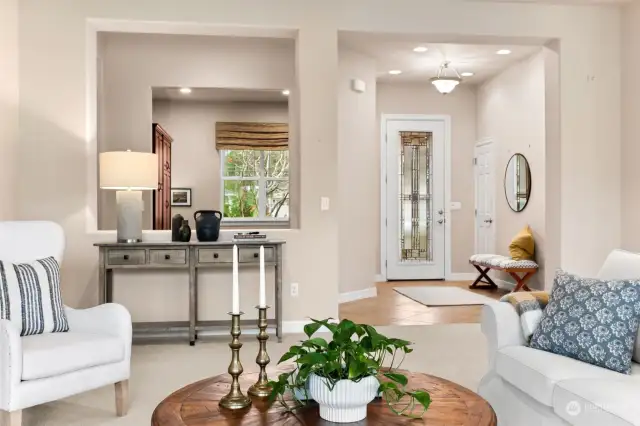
column 591, row 320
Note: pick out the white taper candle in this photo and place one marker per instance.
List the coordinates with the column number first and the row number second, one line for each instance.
column 263, row 290
column 236, row 288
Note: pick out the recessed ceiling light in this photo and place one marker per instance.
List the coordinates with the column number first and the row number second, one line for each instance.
column 503, row 52
column 395, row 72
column 420, row 49
column 286, row 92
column 466, row 74
column 185, row 90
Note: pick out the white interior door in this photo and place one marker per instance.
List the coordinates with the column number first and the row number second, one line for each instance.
column 415, row 192
column 485, row 198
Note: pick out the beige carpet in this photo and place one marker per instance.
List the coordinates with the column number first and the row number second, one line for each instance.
column 456, row 352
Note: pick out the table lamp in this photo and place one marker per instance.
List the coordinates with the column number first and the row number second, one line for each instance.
column 129, row 173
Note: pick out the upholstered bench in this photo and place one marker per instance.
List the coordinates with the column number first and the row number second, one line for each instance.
column 520, row 270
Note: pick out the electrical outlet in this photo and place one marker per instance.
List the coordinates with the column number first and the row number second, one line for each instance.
column 294, row 289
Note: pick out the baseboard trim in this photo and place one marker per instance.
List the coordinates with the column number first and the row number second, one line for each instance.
column 379, row 278
column 357, row 295
column 462, row 276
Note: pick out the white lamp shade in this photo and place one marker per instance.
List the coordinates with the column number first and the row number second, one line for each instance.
column 445, row 85
column 128, row 170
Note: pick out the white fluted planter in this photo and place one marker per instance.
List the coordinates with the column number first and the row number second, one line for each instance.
column 347, row 401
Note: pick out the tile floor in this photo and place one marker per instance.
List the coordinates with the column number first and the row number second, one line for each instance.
column 392, row 308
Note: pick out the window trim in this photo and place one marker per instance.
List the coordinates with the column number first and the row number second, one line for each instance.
column 262, row 179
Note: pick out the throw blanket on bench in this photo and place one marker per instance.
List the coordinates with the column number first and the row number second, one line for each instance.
column 529, row 306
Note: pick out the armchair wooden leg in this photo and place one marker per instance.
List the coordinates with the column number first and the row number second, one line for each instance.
column 122, row 398
column 11, row 418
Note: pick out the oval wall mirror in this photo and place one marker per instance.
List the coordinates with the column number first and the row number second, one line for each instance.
column 517, row 182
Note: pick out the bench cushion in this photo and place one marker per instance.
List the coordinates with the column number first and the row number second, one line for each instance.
column 501, row 262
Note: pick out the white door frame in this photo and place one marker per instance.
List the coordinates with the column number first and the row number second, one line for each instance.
column 446, row 120
column 480, row 143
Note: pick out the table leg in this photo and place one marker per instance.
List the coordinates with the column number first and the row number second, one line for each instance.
column 278, row 289
column 109, row 286
column 102, row 277
column 521, row 283
column 193, row 296
column 483, row 274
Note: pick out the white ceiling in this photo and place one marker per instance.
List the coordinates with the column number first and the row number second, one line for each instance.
column 394, row 52
column 207, row 94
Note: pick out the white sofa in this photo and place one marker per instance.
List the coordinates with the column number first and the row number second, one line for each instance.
column 95, row 352
column 529, row 387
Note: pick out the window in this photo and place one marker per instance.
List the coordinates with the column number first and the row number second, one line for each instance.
column 255, row 185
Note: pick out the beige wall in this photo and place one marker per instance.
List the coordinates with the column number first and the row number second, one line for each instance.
column 358, row 173
column 195, row 161
column 134, row 63
column 511, row 112
column 630, row 173
column 9, row 97
column 56, row 153
column 460, row 105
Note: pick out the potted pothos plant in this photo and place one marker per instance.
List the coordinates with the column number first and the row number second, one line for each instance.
column 347, row 372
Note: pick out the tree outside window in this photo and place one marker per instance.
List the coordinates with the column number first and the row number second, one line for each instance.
column 255, row 184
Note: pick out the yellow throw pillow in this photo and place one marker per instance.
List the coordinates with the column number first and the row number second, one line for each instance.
column 522, row 246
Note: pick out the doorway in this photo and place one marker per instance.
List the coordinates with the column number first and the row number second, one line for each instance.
column 415, row 194
column 485, row 197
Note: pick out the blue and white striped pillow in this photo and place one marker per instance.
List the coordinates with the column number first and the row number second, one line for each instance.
column 30, row 296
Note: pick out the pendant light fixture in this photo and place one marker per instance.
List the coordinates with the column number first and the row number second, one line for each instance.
column 445, row 83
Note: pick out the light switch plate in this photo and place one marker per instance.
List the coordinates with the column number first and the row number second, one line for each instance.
column 324, row 203
column 358, row 86
column 455, row 205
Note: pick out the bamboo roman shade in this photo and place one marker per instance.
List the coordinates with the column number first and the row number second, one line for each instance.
column 258, row 136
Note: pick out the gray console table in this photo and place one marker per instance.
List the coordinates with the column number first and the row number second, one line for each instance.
column 190, row 257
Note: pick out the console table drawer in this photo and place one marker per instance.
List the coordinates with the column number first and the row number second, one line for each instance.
column 252, row 254
column 215, row 255
column 168, row 257
column 126, row 257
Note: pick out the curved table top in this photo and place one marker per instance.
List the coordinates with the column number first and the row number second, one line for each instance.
column 197, row 404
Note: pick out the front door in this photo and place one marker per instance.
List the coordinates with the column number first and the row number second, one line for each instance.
column 485, row 195
column 415, row 190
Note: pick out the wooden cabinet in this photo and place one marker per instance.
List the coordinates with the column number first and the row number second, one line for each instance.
column 162, row 196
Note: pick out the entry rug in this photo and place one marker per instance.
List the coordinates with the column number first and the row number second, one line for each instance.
column 443, row 296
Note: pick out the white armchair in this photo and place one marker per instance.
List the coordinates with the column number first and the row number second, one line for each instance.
column 95, row 352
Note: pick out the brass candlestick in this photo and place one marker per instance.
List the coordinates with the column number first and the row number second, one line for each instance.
column 235, row 399
column 261, row 388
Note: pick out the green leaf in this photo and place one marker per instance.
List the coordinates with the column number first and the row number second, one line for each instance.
column 312, row 358
column 310, row 329
column 287, row 356
column 422, row 397
column 345, row 330
column 399, row 342
column 398, row 378
column 356, row 369
column 329, row 325
column 317, row 342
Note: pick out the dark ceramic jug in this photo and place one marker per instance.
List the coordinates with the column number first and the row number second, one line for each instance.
column 207, row 224
column 185, row 232
column 176, row 223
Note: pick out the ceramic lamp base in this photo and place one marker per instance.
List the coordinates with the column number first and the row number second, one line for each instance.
column 130, row 208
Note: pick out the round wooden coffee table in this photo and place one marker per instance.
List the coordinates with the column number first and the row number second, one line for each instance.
column 197, row 404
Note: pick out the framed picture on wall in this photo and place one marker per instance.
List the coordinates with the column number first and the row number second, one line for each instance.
column 181, row 197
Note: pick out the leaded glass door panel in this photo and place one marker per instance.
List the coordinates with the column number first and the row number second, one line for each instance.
column 416, row 218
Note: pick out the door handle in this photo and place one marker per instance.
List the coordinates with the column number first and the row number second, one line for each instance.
column 440, row 212
column 441, row 221
column 488, row 220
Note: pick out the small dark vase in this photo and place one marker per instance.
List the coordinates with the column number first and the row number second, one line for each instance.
column 185, row 232
column 176, row 223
